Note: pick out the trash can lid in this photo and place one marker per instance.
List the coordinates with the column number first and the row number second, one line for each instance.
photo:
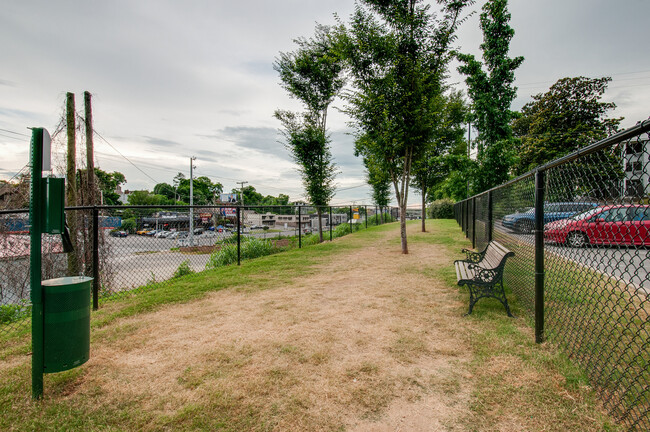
column 68, row 280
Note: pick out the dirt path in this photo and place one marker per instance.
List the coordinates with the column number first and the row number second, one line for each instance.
column 367, row 343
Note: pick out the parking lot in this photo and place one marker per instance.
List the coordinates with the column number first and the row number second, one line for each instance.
column 626, row 263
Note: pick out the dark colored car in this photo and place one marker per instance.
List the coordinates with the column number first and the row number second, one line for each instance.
column 607, row 225
column 119, row 234
column 525, row 222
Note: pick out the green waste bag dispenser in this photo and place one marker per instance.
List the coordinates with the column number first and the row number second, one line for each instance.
column 60, row 307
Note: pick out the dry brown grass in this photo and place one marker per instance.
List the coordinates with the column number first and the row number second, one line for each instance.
column 353, row 346
column 368, row 341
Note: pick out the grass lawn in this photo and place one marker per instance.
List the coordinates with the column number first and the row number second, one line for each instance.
column 344, row 335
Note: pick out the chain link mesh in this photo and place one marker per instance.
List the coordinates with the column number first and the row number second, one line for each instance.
column 142, row 248
column 596, row 261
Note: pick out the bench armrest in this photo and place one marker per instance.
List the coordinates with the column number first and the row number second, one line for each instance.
column 485, row 275
column 472, row 256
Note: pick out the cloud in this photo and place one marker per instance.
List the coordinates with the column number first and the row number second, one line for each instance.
column 160, row 142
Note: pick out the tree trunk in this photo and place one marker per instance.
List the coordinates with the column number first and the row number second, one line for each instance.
column 71, row 193
column 402, row 226
column 424, row 212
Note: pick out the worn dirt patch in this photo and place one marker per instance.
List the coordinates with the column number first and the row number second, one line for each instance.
column 366, row 343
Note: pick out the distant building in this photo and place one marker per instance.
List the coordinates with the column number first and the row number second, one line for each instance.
column 637, row 167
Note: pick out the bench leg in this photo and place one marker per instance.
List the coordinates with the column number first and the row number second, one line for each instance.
column 497, row 292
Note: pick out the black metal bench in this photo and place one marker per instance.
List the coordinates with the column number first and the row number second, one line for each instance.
column 482, row 272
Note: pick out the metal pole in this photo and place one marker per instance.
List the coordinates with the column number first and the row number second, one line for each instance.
column 299, row 227
column 473, row 222
column 36, row 294
column 95, row 258
column 238, row 235
column 539, row 256
column 489, row 227
column 350, row 219
column 365, row 209
column 330, row 223
column 191, row 233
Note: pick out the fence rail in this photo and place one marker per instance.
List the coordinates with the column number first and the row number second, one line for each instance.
column 580, row 228
column 130, row 249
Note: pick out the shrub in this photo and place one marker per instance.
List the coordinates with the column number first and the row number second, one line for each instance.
column 128, row 225
column 13, row 313
column 442, row 209
column 251, row 247
column 183, row 269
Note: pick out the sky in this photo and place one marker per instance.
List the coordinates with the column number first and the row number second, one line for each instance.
column 171, row 79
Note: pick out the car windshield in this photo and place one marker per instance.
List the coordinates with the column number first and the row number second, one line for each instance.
column 586, row 214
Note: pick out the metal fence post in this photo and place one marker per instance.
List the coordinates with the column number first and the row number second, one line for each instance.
column 350, row 219
column 489, row 221
column 299, row 227
column 539, row 256
column 330, row 223
column 474, row 222
column 95, row 258
column 238, row 235
column 365, row 209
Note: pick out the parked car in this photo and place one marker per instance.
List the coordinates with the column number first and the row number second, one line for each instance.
column 607, row 225
column 162, row 234
column 143, row 231
column 152, row 233
column 198, row 231
column 524, row 222
column 119, row 234
column 177, row 235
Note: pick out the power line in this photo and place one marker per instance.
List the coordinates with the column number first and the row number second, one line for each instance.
column 136, row 167
column 15, row 133
column 11, row 137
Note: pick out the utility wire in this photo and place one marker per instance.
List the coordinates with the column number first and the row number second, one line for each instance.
column 120, row 153
column 15, row 133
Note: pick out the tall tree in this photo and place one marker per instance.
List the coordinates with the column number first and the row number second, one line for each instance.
column 397, row 52
column 313, row 75
column 492, row 93
column 432, row 168
column 569, row 116
column 108, row 183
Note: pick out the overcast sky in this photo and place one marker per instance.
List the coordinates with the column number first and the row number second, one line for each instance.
column 175, row 79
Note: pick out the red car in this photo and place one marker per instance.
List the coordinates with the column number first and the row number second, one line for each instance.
column 607, row 225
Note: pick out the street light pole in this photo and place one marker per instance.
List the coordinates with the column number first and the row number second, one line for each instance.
column 191, row 233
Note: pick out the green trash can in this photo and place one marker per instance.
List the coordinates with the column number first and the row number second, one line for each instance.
column 66, row 322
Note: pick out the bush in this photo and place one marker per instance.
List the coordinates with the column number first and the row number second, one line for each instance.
column 251, row 247
column 183, row 269
column 128, row 225
column 13, row 313
column 441, row 209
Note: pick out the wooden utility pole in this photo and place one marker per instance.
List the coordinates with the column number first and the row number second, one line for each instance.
column 90, row 157
column 71, row 174
column 72, row 150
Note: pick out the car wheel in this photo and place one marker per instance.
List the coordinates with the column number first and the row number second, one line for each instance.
column 525, row 226
column 576, row 240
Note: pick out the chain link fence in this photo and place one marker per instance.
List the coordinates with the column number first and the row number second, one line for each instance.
column 131, row 249
column 580, row 229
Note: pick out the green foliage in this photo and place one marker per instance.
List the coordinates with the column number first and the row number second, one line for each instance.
column 313, row 75
column 108, row 183
column 447, row 144
column 397, row 53
column 309, row 146
column 204, row 191
column 128, row 225
column 251, row 247
column 441, row 209
column 14, row 312
column 183, row 269
column 567, row 117
column 492, row 93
